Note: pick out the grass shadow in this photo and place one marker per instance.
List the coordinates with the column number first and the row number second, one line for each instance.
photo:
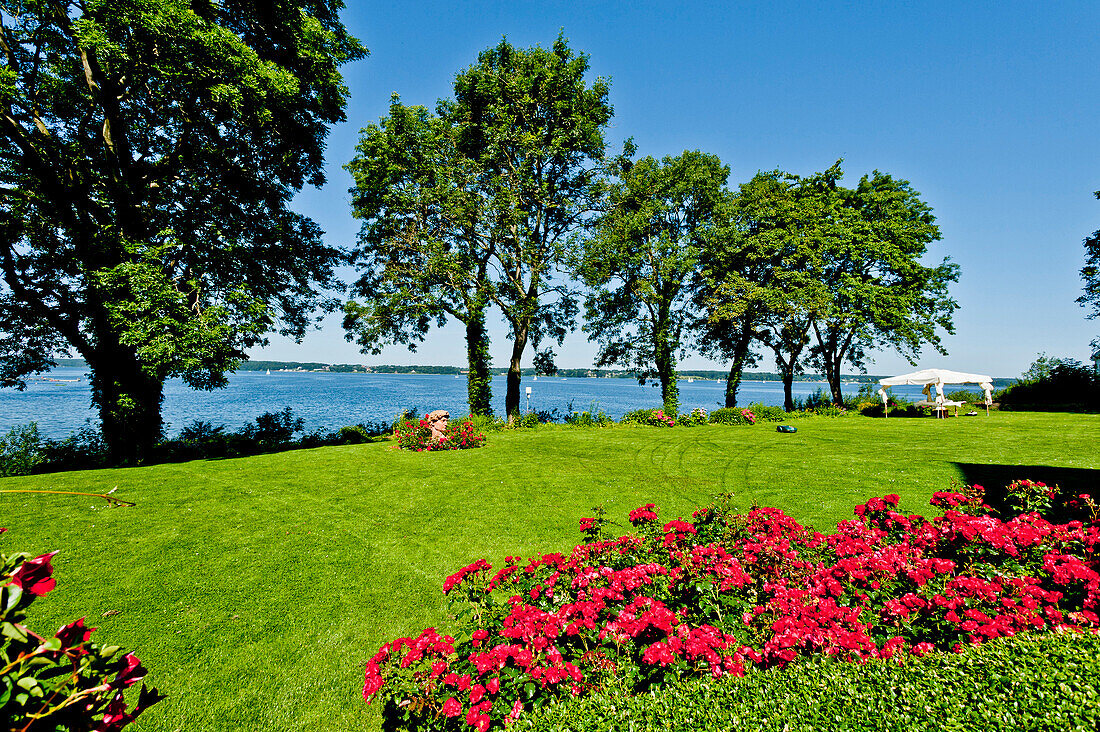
column 995, row 478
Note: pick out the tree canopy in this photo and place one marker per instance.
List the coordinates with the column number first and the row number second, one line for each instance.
column 492, row 187
column 881, row 293
column 150, row 151
column 759, row 270
column 641, row 261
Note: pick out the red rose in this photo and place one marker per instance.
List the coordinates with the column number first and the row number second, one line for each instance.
column 33, row 576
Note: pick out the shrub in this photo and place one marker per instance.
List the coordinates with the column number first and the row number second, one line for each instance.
column 1051, row 680
column 526, row 421
column 272, row 430
column 727, row 592
column 82, row 450
column 651, row 417
column 693, row 418
column 417, row 436
column 1056, row 385
column 588, row 419
column 827, row 410
column 768, row 413
column 64, row 681
column 732, row 415
column 486, row 422
column 21, row 450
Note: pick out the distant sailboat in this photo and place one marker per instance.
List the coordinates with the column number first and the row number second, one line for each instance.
column 269, row 372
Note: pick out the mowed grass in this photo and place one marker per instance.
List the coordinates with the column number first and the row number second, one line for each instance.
column 255, row 589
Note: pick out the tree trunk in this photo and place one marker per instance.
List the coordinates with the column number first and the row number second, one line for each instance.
column 129, row 402
column 664, row 359
column 832, row 375
column 515, row 374
column 788, row 391
column 737, row 368
column 478, row 379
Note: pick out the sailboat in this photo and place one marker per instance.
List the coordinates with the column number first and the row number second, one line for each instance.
column 269, row 372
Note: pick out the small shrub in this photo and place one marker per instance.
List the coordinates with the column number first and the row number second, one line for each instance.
column 63, row 682
column 21, row 450
column 768, row 413
column 827, row 410
column 82, row 450
column 1053, row 682
column 695, row 417
column 486, row 422
column 733, row 416
column 651, row 417
column 272, row 430
column 526, row 421
column 355, row 434
column 588, row 419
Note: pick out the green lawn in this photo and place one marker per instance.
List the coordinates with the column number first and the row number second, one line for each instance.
column 255, row 589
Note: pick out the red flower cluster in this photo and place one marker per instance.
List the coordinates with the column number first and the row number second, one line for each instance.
column 417, row 436
column 709, row 596
column 77, row 682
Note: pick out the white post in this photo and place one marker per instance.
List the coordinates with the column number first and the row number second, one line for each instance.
column 528, row 400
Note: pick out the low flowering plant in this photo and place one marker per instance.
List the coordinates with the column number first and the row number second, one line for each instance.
column 64, row 681
column 416, row 434
column 723, row 591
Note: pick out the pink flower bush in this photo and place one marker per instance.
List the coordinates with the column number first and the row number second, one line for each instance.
column 416, row 435
column 723, row 591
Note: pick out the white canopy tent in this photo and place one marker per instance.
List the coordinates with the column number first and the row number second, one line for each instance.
column 937, row 378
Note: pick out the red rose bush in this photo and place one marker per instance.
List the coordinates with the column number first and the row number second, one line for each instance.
column 63, row 681
column 723, row 591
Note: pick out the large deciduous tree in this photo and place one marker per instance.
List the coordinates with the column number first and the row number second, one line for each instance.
column 641, row 261
column 150, row 149
column 425, row 243
column 881, row 293
column 1090, row 273
column 494, row 185
column 758, row 273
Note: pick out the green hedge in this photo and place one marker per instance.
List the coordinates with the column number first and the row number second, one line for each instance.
column 1036, row 682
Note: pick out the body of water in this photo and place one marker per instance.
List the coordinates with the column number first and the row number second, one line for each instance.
column 62, row 404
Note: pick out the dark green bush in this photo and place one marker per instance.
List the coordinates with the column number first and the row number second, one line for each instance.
column 1028, row 682
column 768, row 413
column 21, row 450
column 1067, row 385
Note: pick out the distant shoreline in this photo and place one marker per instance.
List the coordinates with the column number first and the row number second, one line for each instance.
column 345, row 368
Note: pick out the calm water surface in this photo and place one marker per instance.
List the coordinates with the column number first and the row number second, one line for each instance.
column 332, row 400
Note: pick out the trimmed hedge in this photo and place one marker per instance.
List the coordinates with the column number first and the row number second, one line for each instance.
column 1027, row 682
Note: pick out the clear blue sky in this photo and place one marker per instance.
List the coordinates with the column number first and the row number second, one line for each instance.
column 990, row 110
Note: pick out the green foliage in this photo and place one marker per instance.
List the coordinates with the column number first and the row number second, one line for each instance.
column 879, row 292
column 63, row 682
column 640, row 263
column 473, row 205
column 594, row 418
column 732, row 416
column 150, row 153
column 1054, row 384
column 21, row 450
column 1028, row 682
column 768, row 413
column 651, row 417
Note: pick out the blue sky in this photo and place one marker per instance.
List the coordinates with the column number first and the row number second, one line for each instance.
column 990, row 110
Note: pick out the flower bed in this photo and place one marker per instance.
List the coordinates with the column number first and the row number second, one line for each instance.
column 414, row 434
column 715, row 594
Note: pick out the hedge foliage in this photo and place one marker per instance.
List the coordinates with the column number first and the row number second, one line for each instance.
column 1026, row 682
